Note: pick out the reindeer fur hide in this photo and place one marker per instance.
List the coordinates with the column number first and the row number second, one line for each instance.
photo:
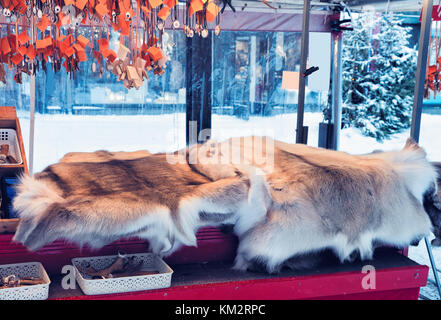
column 285, row 201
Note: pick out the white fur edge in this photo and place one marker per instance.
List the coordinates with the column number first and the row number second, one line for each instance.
column 189, row 220
column 33, row 197
column 418, row 173
column 250, row 213
column 255, row 209
column 413, row 167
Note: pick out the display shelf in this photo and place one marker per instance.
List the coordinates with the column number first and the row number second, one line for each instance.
column 8, row 226
column 9, row 120
column 204, row 272
column 397, row 277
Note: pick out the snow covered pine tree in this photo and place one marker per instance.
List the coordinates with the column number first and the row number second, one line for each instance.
column 378, row 75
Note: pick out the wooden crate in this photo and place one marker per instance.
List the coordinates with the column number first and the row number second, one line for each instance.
column 9, row 120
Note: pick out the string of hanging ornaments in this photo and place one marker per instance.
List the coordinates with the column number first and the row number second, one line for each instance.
column 433, row 74
column 47, row 33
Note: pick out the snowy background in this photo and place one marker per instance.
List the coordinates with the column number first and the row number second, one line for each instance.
column 55, row 135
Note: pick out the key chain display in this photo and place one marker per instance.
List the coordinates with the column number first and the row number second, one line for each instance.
column 43, row 34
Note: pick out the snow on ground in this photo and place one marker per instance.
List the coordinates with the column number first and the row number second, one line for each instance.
column 352, row 141
column 55, row 135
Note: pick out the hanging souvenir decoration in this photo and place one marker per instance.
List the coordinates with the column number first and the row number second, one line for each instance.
column 47, row 33
column 433, row 73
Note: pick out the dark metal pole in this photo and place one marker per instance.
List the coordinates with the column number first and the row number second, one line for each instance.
column 336, row 70
column 198, row 89
column 423, row 50
column 301, row 135
column 426, row 20
column 432, row 262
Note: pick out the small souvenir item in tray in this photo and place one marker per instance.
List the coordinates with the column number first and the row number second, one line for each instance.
column 13, row 281
column 122, row 266
column 9, row 147
column 5, row 157
column 24, row 281
column 121, row 273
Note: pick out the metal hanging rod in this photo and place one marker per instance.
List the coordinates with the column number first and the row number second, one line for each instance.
column 283, row 7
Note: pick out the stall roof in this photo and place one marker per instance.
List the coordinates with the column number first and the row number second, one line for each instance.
column 382, row 5
column 317, row 5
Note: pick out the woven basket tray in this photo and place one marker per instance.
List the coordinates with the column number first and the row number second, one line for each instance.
column 29, row 269
column 9, row 136
column 151, row 262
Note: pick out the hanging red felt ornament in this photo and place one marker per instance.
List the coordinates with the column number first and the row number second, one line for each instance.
column 58, row 38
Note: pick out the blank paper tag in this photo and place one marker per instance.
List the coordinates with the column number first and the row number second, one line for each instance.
column 290, row 80
column 123, row 52
column 320, row 56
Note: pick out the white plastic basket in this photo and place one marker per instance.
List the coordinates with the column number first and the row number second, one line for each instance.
column 21, row 270
column 9, row 136
column 150, row 262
